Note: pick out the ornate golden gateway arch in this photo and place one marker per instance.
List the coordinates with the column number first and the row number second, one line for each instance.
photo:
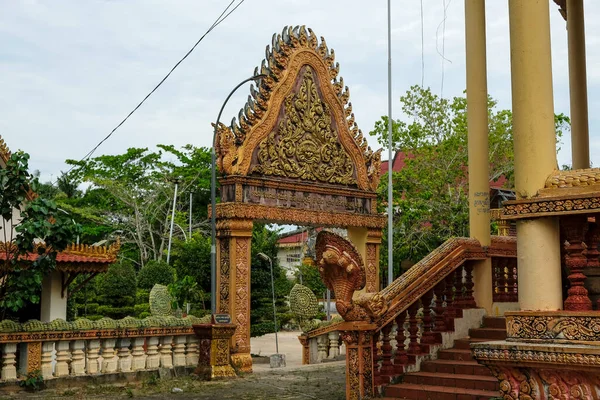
column 295, row 155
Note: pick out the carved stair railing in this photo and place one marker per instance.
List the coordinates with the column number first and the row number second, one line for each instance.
column 424, row 302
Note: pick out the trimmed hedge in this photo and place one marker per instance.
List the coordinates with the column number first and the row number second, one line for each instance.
column 155, row 272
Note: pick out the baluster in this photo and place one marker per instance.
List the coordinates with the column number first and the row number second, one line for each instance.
column 576, row 260
column 138, row 357
column 334, row 344
column 427, row 337
column 496, row 266
column 401, row 358
column 592, row 237
column 109, row 360
column 124, row 355
column 179, row 351
column 377, row 357
column 92, row 365
column 459, row 296
column 153, row 359
column 9, row 362
column 77, row 357
column 387, row 368
column 450, row 311
column 322, row 347
column 439, row 322
column 63, row 357
column 166, row 352
column 505, row 274
column 46, row 361
column 469, row 300
column 191, row 351
column 414, row 348
column 511, row 282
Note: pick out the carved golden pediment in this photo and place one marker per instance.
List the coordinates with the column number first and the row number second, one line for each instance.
column 298, row 122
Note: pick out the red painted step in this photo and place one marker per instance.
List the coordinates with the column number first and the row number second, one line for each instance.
column 455, row 375
column 431, row 392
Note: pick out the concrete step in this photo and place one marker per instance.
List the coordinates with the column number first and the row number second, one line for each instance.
column 453, row 380
column 494, row 322
column 465, row 343
column 455, row 367
column 455, row 354
column 488, row 333
column 432, row 392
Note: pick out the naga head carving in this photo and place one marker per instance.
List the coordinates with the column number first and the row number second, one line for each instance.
column 342, row 270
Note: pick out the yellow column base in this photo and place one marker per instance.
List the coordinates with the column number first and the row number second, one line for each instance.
column 242, row 362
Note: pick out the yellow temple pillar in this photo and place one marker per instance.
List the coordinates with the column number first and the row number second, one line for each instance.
column 580, row 143
column 538, row 243
column 477, row 120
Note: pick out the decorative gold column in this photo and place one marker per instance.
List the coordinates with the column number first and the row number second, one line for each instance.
column 538, row 246
column 580, row 141
column 372, row 260
column 233, row 284
column 477, row 120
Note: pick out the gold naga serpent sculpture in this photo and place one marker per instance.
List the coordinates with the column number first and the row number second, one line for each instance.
column 342, row 270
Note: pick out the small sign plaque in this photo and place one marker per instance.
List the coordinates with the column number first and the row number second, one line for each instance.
column 222, row 319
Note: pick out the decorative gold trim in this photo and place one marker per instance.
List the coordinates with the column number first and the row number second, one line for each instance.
column 297, row 216
column 555, row 326
column 546, row 206
column 18, row 337
column 573, row 178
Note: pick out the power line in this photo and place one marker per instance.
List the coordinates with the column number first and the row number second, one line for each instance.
column 443, row 53
column 222, row 17
column 422, row 49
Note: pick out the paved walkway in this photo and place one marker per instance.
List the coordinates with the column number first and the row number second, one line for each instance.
column 288, row 345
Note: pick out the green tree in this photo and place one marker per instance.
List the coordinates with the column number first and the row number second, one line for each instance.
column 264, row 240
column 136, row 191
column 431, row 191
column 34, row 231
column 155, row 272
column 311, row 278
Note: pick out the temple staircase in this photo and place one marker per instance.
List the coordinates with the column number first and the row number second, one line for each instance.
column 454, row 375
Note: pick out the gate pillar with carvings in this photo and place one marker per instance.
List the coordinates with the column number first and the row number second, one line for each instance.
column 233, row 284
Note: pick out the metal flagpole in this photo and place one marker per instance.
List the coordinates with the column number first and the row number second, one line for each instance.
column 390, row 156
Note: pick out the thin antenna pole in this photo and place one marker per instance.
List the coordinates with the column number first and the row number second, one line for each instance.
column 190, row 216
column 172, row 222
column 390, row 157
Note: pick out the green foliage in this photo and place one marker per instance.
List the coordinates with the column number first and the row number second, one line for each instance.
column 117, row 287
column 431, row 191
column 41, row 220
column 155, row 272
column 192, row 257
column 33, row 381
column 183, row 291
column 133, row 193
column 264, row 241
column 117, row 312
column 311, row 279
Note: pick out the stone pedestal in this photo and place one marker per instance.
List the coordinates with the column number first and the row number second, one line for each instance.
column 214, row 359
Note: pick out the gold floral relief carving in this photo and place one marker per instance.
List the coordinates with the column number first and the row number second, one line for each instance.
column 34, row 356
column 558, row 327
column 305, row 145
column 242, row 295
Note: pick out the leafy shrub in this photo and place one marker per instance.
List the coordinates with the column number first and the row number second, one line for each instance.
column 33, row 381
column 141, row 308
column 142, row 296
column 144, row 315
column 155, row 272
column 118, row 286
column 116, row 312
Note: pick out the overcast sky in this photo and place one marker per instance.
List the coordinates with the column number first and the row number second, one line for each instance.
column 70, row 70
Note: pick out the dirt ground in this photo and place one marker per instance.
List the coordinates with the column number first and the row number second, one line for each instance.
column 322, row 381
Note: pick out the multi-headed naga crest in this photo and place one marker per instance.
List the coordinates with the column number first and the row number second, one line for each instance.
column 342, row 270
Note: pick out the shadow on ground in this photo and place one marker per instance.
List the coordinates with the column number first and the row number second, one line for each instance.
column 324, row 381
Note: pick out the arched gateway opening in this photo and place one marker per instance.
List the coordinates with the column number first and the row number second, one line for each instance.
column 294, row 156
